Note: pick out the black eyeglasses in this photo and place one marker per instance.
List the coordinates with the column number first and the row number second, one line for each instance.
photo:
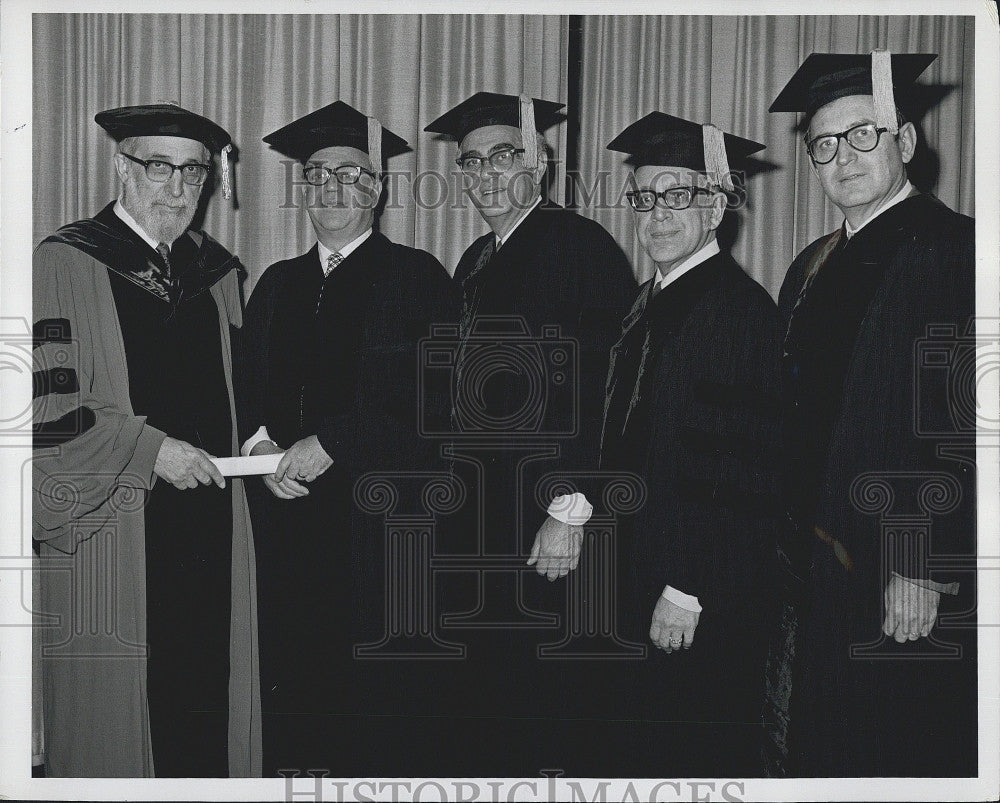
column 318, row 175
column 160, row 171
column 674, row 198
column 501, row 161
column 863, row 138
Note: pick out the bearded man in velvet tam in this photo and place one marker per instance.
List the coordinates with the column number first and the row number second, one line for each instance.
column 134, row 393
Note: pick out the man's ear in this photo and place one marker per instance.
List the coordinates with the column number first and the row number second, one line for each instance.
column 377, row 189
column 543, row 161
column 815, row 167
column 121, row 167
column 308, row 193
column 907, row 139
column 718, row 210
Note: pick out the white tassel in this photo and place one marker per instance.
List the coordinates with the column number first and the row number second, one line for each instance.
column 375, row 144
column 529, row 139
column 882, row 94
column 716, row 161
column 227, row 187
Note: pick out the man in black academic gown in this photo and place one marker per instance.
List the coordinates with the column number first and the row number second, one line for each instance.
column 542, row 286
column 870, row 434
column 333, row 383
column 145, row 307
column 692, row 409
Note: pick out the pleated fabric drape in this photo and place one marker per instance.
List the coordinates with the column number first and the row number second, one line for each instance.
column 254, row 73
column 727, row 70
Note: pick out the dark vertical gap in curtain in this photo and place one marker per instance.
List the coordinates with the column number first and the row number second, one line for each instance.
column 968, row 100
column 966, row 178
column 574, row 68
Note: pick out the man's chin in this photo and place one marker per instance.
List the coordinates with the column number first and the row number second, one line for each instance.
column 169, row 230
column 847, row 197
column 492, row 211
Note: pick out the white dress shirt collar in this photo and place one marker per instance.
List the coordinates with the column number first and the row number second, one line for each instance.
column 709, row 249
column 902, row 195
column 501, row 240
column 129, row 221
column 345, row 252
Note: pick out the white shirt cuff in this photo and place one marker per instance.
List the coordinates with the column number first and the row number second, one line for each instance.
column 941, row 588
column 253, row 440
column 681, row 600
column 571, row 508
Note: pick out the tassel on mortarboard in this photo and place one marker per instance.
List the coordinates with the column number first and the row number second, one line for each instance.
column 227, row 186
column 882, row 92
column 375, row 144
column 716, row 161
column 529, row 140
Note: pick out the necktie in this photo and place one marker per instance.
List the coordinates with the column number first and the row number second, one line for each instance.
column 168, row 279
column 164, row 251
column 332, row 261
column 470, row 305
column 470, row 289
column 829, row 250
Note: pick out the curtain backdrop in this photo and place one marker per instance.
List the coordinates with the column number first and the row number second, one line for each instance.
column 727, row 71
column 254, row 73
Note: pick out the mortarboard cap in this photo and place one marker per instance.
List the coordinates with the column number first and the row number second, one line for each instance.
column 168, row 120
column 662, row 139
column 336, row 124
column 826, row 77
column 491, row 108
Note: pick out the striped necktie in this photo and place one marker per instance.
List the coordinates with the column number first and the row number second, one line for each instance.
column 331, row 262
column 471, row 289
column 169, row 281
column 164, row 251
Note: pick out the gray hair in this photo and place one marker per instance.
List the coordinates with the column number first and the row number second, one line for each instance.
column 130, row 144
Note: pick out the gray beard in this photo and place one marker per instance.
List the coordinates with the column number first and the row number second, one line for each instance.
column 164, row 231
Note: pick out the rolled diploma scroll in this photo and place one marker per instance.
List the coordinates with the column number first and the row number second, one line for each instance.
column 246, row 466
